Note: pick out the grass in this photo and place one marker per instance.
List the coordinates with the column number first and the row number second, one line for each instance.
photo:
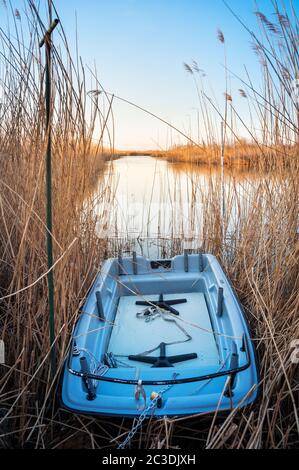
column 260, row 254
column 241, row 155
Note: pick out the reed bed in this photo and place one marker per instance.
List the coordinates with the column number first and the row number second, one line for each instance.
column 78, row 160
column 259, row 251
column 241, row 155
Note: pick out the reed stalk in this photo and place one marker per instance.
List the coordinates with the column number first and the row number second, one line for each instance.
column 261, row 246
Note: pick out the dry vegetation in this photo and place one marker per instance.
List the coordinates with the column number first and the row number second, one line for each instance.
column 243, row 155
column 260, row 254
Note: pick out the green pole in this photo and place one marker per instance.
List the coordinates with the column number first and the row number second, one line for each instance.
column 47, row 42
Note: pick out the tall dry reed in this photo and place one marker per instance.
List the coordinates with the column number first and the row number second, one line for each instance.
column 260, row 253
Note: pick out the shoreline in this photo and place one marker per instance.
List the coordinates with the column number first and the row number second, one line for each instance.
column 245, row 156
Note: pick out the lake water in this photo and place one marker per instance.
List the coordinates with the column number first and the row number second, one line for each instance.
column 154, row 203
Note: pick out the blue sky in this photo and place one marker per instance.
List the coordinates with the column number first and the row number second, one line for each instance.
column 139, row 47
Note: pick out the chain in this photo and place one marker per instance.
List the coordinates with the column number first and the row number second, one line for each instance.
column 144, row 415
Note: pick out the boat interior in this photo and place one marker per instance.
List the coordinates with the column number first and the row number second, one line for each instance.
column 161, row 316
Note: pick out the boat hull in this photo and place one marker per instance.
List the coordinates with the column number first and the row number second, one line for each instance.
column 208, row 336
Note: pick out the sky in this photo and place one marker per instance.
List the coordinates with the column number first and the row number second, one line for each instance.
column 139, row 47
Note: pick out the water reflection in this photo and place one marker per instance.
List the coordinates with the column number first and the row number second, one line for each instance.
column 156, row 199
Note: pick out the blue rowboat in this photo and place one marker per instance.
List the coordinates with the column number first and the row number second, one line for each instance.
column 166, row 336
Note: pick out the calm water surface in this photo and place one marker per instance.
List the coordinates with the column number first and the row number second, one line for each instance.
column 154, row 199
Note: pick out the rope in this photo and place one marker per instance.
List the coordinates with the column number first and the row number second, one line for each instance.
column 206, row 330
column 95, row 365
column 160, row 312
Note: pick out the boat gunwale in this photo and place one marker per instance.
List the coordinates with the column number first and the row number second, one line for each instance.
column 200, row 378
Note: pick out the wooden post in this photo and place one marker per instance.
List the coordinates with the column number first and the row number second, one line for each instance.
column 46, row 41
